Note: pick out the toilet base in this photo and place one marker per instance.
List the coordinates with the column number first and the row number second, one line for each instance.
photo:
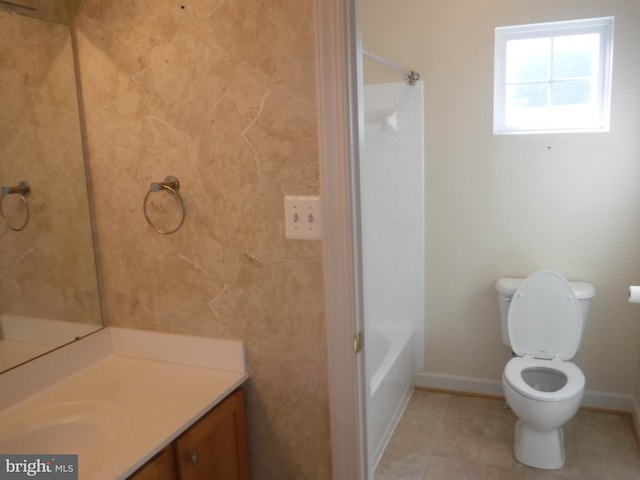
column 538, row 449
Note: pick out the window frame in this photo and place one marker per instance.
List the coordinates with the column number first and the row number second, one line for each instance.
column 602, row 25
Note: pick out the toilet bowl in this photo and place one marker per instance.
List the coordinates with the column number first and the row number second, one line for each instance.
column 544, row 395
column 544, row 323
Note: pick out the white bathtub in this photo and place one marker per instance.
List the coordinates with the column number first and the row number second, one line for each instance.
column 389, row 366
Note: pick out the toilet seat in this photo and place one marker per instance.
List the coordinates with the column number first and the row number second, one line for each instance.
column 574, row 386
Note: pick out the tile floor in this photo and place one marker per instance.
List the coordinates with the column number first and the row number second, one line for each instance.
column 443, row 436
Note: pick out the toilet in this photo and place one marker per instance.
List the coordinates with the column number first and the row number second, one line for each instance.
column 543, row 320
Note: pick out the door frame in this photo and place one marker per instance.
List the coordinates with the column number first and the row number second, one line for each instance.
column 339, row 71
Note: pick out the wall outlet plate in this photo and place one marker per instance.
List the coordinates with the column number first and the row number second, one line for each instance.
column 302, row 217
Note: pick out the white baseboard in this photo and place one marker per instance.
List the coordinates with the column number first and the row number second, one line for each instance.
column 456, row 383
column 609, row 401
column 483, row 386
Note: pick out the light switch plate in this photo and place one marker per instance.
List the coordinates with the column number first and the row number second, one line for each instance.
column 302, row 217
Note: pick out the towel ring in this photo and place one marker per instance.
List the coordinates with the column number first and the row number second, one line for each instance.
column 171, row 185
column 24, row 190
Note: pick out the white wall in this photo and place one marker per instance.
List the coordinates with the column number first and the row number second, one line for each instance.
column 509, row 205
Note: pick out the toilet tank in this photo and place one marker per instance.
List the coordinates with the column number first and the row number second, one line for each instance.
column 506, row 287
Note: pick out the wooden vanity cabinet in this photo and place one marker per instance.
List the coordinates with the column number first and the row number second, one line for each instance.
column 215, row 448
column 160, row 467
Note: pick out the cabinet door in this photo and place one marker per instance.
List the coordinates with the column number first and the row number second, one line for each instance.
column 215, row 447
column 160, row 467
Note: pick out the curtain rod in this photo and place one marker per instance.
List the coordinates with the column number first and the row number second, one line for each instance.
column 410, row 76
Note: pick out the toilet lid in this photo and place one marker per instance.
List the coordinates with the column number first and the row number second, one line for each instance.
column 545, row 319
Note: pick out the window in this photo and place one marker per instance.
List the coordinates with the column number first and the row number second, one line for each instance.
column 553, row 77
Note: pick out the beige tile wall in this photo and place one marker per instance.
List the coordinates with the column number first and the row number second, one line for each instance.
column 220, row 94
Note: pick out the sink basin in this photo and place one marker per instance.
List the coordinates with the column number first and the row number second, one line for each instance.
column 64, row 428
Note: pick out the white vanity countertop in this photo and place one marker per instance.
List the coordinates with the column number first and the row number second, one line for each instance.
column 148, row 388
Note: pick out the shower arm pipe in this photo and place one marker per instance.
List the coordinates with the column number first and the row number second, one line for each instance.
column 410, row 76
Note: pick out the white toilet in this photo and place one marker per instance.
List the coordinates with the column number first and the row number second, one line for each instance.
column 543, row 319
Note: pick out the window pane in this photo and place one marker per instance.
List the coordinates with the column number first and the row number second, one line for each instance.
column 528, row 60
column 576, row 55
column 553, row 77
column 571, row 92
column 528, row 95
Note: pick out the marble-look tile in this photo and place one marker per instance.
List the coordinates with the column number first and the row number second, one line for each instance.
column 399, row 464
column 572, row 469
column 423, row 400
column 220, row 94
column 460, row 437
column 418, row 431
column 493, row 472
column 439, row 468
column 600, row 468
column 468, row 406
column 497, row 446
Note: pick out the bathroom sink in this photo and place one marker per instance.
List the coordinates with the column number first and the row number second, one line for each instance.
column 64, row 428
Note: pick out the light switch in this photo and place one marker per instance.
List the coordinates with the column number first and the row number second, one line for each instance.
column 302, row 217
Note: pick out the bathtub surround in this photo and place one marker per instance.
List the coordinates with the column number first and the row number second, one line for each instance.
column 220, row 94
column 392, row 195
column 392, row 215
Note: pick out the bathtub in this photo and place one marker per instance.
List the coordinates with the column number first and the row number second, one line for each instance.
column 389, row 367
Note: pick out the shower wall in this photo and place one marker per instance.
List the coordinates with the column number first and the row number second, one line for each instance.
column 392, row 196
